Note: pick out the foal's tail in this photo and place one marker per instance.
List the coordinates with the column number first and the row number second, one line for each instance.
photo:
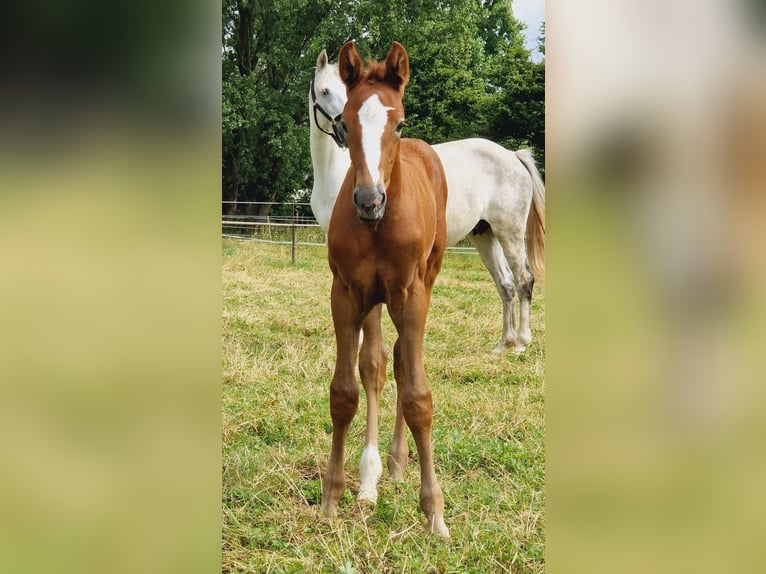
column 536, row 219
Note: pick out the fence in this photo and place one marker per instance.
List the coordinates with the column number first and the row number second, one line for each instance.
column 285, row 224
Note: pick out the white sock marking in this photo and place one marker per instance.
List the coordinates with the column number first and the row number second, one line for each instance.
column 370, row 469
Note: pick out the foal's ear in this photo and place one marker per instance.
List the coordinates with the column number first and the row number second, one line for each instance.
column 322, row 59
column 350, row 65
column 397, row 67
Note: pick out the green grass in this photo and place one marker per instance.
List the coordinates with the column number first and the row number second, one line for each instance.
column 278, row 357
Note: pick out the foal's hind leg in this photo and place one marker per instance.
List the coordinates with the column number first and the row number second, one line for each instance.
column 399, row 452
column 372, row 369
column 492, row 256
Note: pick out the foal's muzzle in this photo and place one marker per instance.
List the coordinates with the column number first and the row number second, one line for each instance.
column 370, row 202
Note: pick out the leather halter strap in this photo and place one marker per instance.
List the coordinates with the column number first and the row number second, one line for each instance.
column 338, row 133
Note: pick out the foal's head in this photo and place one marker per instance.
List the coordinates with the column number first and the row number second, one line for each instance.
column 373, row 120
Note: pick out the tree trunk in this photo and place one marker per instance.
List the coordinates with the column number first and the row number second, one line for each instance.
column 231, row 177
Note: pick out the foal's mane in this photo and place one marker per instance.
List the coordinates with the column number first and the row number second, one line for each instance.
column 376, row 72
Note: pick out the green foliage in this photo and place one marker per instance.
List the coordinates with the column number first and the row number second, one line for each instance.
column 471, row 76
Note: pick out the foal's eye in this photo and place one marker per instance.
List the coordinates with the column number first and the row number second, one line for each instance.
column 325, row 91
column 400, row 127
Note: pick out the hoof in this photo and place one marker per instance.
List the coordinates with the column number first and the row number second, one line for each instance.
column 525, row 339
column 519, row 349
column 503, row 346
column 368, row 496
column 396, row 472
column 328, row 510
column 438, row 527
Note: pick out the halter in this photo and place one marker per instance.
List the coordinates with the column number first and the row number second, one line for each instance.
column 338, row 134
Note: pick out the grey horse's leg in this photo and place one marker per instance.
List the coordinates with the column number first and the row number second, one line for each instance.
column 493, row 257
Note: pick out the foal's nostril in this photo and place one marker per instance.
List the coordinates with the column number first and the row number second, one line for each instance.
column 370, row 200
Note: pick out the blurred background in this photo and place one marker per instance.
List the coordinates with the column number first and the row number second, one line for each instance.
column 110, row 290
column 656, row 141
column 110, row 182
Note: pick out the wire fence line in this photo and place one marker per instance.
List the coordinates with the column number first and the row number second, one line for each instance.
column 281, row 223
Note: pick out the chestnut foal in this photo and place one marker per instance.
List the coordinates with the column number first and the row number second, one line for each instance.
column 385, row 241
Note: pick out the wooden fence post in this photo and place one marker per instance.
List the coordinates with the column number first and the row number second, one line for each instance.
column 292, row 231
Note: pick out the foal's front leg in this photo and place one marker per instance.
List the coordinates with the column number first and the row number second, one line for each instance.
column 344, row 395
column 372, row 369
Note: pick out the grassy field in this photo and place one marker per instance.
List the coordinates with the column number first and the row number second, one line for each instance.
column 278, row 357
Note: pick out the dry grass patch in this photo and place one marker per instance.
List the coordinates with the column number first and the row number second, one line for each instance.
column 278, row 357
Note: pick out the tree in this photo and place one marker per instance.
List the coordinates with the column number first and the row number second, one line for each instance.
column 516, row 106
column 265, row 73
column 471, row 76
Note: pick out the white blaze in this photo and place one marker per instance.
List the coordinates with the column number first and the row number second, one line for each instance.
column 373, row 116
